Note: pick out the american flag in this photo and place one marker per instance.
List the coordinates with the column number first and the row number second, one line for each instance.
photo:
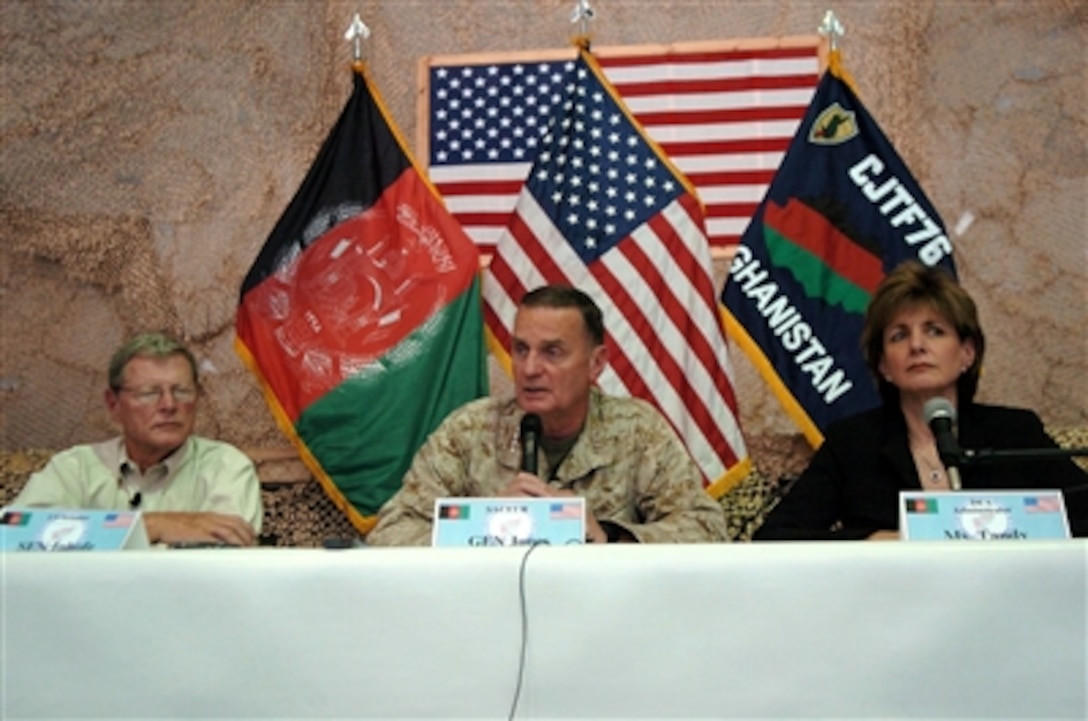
column 1042, row 504
column 117, row 520
column 723, row 114
column 603, row 210
column 561, row 511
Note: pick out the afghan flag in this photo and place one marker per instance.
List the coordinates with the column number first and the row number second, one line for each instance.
column 921, row 505
column 361, row 315
column 842, row 210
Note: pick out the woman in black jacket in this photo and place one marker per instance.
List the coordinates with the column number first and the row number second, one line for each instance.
column 921, row 339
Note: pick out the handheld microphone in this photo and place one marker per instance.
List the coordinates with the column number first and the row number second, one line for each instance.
column 531, row 428
column 940, row 416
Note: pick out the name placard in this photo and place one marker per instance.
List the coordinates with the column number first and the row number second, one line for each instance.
column 60, row 529
column 982, row 515
column 479, row 521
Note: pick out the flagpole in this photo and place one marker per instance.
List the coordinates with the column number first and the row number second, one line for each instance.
column 357, row 32
column 583, row 13
column 833, row 29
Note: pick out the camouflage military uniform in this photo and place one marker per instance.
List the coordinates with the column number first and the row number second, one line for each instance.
column 628, row 463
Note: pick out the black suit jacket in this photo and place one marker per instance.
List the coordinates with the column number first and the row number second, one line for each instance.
column 855, row 477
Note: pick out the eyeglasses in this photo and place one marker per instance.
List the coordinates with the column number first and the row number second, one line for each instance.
column 152, row 396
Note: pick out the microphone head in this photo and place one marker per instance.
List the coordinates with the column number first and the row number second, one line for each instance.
column 531, row 425
column 939, row 407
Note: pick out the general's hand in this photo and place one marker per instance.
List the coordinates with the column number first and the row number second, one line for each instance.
column 884, row 536
column 526, row 484
column 200, row 527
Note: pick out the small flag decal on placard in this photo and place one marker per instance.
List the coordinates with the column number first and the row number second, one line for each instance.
column 921, row 505
column 14, row 518
column 1047, row 504
column 559, row 511
column 454, row 512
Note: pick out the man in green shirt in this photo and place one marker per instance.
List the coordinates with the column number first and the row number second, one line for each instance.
column 190, row 489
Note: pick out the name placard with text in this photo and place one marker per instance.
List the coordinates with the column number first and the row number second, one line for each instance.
column 60, row 529
column 982, row 515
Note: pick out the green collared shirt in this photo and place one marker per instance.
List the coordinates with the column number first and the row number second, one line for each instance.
column 201, row 475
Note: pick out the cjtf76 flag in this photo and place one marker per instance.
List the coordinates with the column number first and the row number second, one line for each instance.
column 841, row 211
column 361, row 315
column 604, row 211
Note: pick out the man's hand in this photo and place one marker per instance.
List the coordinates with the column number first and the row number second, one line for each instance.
column 200, row 527
column 526, row 484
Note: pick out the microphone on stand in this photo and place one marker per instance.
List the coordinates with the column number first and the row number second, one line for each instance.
column 531, row 428
column 940, row 416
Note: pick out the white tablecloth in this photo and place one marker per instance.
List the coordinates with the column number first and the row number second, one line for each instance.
column 792, row 630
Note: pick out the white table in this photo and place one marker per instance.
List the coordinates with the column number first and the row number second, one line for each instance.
column 828, row 630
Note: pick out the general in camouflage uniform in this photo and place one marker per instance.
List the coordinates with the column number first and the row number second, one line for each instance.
column 628, row 464
column 620, row 454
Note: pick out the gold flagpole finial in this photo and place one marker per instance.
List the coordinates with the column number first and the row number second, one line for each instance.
column 832, row 28
column 357, row 33
column 582, row 14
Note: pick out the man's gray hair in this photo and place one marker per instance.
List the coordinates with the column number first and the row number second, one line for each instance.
column 147, row 345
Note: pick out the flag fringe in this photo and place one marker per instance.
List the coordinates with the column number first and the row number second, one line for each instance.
column 766, row 371
column 836, row 67
column 362, row 523
column 502, row 357
column 736, row 473
column 362, row 69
